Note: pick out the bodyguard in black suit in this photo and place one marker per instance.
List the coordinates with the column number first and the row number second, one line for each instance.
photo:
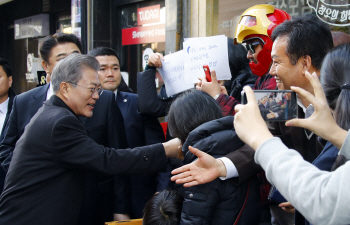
column 140, row 131
column 45, row 181
column 7, row 95
column 106, row 127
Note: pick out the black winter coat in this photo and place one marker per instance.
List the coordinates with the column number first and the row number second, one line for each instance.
column 220, row 201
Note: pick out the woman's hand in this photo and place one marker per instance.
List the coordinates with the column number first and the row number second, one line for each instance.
column 321, row 122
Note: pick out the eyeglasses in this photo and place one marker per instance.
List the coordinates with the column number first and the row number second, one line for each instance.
column 251, row 46
column 93, row 90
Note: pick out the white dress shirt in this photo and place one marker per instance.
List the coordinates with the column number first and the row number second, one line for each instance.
column 49, row 92
column 3, row 112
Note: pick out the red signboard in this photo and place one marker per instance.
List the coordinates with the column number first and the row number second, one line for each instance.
column 141, row 35
column 150, row 14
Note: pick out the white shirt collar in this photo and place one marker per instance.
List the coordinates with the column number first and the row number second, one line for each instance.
column 307, row 110
column 4, row 106
column 49, row 92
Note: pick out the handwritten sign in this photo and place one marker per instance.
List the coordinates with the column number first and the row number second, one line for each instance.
column 206, row 50
column 172, row 72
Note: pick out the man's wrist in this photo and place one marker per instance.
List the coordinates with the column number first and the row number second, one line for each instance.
column 221, row 167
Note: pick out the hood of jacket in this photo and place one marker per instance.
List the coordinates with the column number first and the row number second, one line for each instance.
column 216, row 138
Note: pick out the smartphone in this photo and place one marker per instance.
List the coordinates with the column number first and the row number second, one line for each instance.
column 207, row 72
column 275, row 105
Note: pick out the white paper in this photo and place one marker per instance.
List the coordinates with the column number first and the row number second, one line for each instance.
column 206, row 50
column 172, row 72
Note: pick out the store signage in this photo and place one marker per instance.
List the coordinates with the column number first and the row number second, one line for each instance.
column 335, row 13
column 147, row 15
column 33, row 26
column 141, row 35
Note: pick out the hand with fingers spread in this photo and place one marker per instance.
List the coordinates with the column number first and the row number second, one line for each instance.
column 201, row 171
column 321, row 122
column 249, row 125
column 155, row 60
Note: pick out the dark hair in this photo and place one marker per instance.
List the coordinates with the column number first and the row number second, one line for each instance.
column 307, row 35
column 239, row 67
column 340, row 38
column 237, row 58
column 6, row 66
column 53, row 40
column 189, row 110
column 163, row 208
column 100, row 51
column 334, row 74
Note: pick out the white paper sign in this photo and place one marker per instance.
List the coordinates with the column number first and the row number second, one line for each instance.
column 172, row 72
column 206, row 50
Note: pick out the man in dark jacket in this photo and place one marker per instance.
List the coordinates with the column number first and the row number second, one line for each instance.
column 134, row 191
column 45, row 181
column 106, row 127
column 6, row 99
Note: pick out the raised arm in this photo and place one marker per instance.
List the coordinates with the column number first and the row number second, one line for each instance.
column 149, row 103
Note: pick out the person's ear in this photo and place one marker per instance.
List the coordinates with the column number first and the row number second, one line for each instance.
column 65, row 88
column 45, row 66
column 10, row 81
column 306, row 63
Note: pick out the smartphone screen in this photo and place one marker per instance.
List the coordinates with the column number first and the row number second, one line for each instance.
column 275, row 105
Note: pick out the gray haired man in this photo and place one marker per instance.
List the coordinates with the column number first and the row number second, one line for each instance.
column 45, row 181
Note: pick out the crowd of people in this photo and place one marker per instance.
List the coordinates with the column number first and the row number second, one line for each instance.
column 84, row 149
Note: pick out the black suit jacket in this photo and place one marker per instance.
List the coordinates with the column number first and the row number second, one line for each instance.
column 106, row 127
column 45, row 181
column 12, row 95
column 140, row 130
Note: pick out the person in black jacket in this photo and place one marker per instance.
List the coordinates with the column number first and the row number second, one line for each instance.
column 7, row 94
column 45, row 182
column 196, row 119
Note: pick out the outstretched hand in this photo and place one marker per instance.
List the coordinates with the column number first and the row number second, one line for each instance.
column 203, row 170
column 321, row 122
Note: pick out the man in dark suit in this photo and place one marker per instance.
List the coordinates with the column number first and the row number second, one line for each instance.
column 106, row 127
column 140, row 130
column 45, row 181
column 7, row 95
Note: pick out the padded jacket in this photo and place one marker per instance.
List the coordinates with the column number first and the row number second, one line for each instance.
column 220, row 201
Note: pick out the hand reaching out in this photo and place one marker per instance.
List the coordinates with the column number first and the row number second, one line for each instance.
column 203, row 170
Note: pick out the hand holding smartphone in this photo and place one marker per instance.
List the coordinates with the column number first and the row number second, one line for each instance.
column 207, row 72
column 275, row 105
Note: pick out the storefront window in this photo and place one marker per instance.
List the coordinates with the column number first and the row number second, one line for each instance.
column 142, row 26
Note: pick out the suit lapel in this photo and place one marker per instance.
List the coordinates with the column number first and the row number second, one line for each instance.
column 123, row 103
column 38, row 98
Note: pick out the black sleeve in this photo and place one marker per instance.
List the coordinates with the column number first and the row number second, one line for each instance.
column 10, row 138
column 149, row 102
column 74, row 149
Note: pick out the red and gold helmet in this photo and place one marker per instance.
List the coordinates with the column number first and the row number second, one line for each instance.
column 258, row 22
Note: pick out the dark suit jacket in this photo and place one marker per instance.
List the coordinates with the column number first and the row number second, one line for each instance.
column 12, row 95
column 140, row 130
column 292, row 137
column 106, row 127
column 45, row 181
